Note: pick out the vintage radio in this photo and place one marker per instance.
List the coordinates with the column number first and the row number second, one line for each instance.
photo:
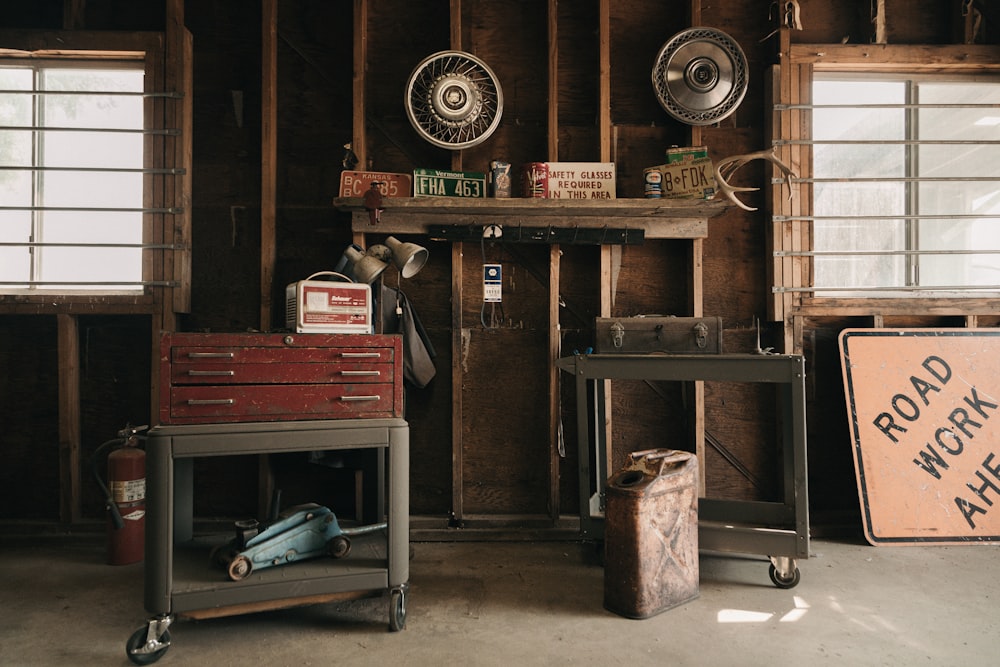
column 323, row 306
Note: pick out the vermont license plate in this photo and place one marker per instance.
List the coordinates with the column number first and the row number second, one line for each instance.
column 439, row 183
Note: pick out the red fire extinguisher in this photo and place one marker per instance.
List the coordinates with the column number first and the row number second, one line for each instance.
column 125, row 495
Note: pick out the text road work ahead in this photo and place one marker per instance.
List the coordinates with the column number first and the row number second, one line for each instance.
column 949, row 440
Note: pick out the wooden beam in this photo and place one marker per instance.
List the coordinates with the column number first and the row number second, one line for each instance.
column 73, row 14
column 786, row 86
column 658, row 218
column 359, row 135
column 69, row 418
column 175, row 191
column 555, row 348
column 604, row 120
column 610, row 265
column 455, row 28
column 936, row 307
column 268, row 157
column 553, row 105
column 87, row 44
column 896, row 57
column 457, row 349
column 456, row 45
column 157, row 192
column 179, row 77
column 182, row 75
column 458, row 341
column 268, row 198
column 880, row 22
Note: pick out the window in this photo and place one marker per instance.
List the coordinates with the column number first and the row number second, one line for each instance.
column 71, row 176
column 894, row 208
column 906, row 184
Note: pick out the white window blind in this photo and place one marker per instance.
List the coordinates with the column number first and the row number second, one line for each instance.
column 72, row 166
column 905, row 185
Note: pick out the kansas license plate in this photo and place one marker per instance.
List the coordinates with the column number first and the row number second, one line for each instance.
column 357, row 183
column 438, row 183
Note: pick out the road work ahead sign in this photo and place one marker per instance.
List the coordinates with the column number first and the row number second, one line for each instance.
column 925, row 412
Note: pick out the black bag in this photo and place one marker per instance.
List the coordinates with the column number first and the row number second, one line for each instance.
column 398, row 316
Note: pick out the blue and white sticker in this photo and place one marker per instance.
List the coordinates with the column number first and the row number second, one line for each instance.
column 492, row 283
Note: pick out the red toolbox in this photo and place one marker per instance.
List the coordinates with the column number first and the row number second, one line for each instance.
column 237, row 377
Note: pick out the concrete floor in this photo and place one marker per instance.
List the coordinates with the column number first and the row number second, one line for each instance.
column 475, row 603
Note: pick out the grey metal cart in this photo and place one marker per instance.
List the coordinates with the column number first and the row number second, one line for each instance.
column 779, row 530
column 179, row 578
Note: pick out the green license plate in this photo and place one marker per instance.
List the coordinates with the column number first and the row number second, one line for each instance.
column 439, row 183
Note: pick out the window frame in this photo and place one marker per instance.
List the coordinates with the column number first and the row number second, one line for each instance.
column 791, row 229
column 166, row 183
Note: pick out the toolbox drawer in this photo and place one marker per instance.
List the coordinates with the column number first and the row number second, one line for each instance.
column 298, row 373
column 207, row 378
column 294, row 401
column 306, row 352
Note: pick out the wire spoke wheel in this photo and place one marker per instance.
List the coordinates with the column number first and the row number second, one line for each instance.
column 453, row 100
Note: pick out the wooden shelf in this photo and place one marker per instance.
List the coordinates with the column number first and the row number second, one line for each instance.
column 659, row 218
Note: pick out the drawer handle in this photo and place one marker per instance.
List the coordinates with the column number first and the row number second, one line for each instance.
column 375, row 373
column 210, row 401
column 361, row 355
column 360, row 398
column 210, row 355
column 213, row 373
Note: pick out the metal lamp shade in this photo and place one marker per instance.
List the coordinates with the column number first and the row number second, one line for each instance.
column 367, row 269
column 409, row 258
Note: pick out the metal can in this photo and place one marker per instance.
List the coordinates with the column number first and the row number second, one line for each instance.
column 653, row 182
column 536, row 180
column 679, row 154
column 499, row 185
column 651, row 533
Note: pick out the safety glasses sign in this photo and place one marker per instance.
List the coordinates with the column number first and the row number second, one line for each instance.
column 925, row 412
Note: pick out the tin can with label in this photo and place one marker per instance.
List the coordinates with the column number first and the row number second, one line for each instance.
column 679, row 154
column 499, row 185
column 536, row 180
column 653, row 182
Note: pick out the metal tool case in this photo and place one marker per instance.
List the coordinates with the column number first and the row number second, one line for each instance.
column 677, row 335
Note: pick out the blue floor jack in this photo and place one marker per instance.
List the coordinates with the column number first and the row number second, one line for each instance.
column 301, row 532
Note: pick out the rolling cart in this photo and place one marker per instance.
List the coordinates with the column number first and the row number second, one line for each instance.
column 180, row 579
column 778, row 530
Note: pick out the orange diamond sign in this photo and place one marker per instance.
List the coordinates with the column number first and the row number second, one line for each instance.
column 925, row 419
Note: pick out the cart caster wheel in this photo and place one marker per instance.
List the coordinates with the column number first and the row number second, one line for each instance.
column 137, row 643
column 397, row 610
column 240, row 568
column 780, row 580
column 339, row 546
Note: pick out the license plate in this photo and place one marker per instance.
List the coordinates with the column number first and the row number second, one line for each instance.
column 691, row 179
column 357, row 183
column 438, row 183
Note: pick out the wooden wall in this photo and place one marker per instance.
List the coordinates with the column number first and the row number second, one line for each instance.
column 504, row 375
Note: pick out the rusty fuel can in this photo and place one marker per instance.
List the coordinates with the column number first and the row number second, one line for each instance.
column 651, row 534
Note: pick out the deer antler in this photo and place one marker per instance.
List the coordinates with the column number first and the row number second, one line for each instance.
column 729, row 165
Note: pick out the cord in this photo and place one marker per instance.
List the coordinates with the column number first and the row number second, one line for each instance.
column 494, row 323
